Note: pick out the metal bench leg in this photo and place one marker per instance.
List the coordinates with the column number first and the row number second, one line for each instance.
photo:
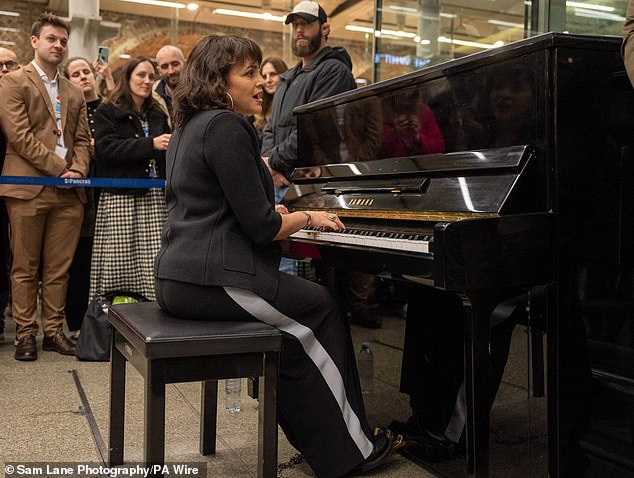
column 154, row 443
column 208, row 417
column 117, row 405
column 267, row 418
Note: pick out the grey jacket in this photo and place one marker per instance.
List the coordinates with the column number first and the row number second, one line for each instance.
column 221, row 220
column 330, row 73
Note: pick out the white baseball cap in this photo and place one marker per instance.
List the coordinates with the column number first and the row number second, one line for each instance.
column 309, row 11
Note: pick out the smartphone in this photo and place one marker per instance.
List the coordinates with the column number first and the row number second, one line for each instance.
column 102, row 54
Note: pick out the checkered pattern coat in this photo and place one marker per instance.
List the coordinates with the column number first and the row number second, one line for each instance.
column 127, row 238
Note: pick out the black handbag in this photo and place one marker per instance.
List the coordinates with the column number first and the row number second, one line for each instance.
column 96, row 332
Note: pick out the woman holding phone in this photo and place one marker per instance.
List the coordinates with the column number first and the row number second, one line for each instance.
column 131, row 136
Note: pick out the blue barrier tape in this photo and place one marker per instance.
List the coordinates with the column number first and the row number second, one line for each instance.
column 84, row 182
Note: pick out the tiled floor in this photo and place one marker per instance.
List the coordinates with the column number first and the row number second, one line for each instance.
column 43, row 418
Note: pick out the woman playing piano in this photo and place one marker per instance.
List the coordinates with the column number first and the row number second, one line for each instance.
column 219, row 257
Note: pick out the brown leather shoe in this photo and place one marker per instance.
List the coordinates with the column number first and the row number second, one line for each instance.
column 25, row 348
column 58, row 343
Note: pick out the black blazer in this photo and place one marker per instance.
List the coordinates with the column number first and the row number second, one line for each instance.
column 221, row 211
column 121, row 148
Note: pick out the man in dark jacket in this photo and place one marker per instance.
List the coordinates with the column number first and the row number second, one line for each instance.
column 321, row 72
column 170, row 62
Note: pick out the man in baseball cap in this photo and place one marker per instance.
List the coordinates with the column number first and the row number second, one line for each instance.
column 309, row 11
column 322, row 71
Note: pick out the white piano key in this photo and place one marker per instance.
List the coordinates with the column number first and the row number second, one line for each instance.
column 408, row 245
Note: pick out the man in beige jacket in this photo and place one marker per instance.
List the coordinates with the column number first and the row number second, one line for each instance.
column 628, row 40
column 43, row 116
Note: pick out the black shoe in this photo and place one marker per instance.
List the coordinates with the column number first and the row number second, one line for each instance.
column 424, row 446
column 399, row 428
column 382, row 447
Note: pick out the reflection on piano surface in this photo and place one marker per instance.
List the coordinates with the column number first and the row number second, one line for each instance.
column 395, row 209
column 488, row 176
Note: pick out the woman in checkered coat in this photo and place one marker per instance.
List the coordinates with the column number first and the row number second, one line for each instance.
column 131, row 136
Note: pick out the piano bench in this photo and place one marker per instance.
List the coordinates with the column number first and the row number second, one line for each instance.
column 165, row 349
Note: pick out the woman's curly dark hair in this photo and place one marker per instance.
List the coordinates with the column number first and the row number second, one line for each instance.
column 203, row 81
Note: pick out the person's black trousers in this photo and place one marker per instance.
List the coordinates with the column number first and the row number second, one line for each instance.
column 319, row 397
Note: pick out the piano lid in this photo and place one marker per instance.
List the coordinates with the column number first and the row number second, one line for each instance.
column 466, row 64
column 429, row 187
column 488, row 161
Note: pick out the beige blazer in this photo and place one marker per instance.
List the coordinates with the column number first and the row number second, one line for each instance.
column 28, row 120
column 628, row 41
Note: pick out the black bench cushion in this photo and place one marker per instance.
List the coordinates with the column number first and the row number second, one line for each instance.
column 157, row 334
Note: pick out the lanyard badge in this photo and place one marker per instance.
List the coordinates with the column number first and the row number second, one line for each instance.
column 58, row 108
column 58, row 119
column 152, row 166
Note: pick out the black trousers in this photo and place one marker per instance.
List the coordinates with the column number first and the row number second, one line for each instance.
column 433, row 358
column 319, row 397
column 433, row 355
column 79, row 284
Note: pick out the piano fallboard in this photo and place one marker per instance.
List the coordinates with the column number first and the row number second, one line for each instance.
column 410, row 222
column 459, row 255
column 465, row 185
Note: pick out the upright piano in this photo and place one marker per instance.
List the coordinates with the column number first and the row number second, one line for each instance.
column 504, row 171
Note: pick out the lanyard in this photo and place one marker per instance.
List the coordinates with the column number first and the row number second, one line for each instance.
column 58, row 118
column 152, row 167
column 58, row 108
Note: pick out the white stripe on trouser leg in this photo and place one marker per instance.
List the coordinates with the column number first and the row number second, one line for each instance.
column 458, row 417
column 261, row 309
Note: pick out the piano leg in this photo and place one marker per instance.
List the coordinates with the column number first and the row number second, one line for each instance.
column 453, row 361
column 490, row 317
column 477, row 385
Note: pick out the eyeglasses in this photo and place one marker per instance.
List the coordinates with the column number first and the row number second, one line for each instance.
column 10, row 65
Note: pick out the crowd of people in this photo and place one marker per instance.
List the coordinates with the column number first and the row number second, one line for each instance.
column 214, row 126
column 218, row 125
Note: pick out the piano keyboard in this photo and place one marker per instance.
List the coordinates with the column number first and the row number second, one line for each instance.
column 404, row 242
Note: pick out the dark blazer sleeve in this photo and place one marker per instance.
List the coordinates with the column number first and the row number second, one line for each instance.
column 115, row 140
column 231, row 150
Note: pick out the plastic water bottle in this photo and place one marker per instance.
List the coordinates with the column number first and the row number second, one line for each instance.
column 232, row 394
column 365, row 363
